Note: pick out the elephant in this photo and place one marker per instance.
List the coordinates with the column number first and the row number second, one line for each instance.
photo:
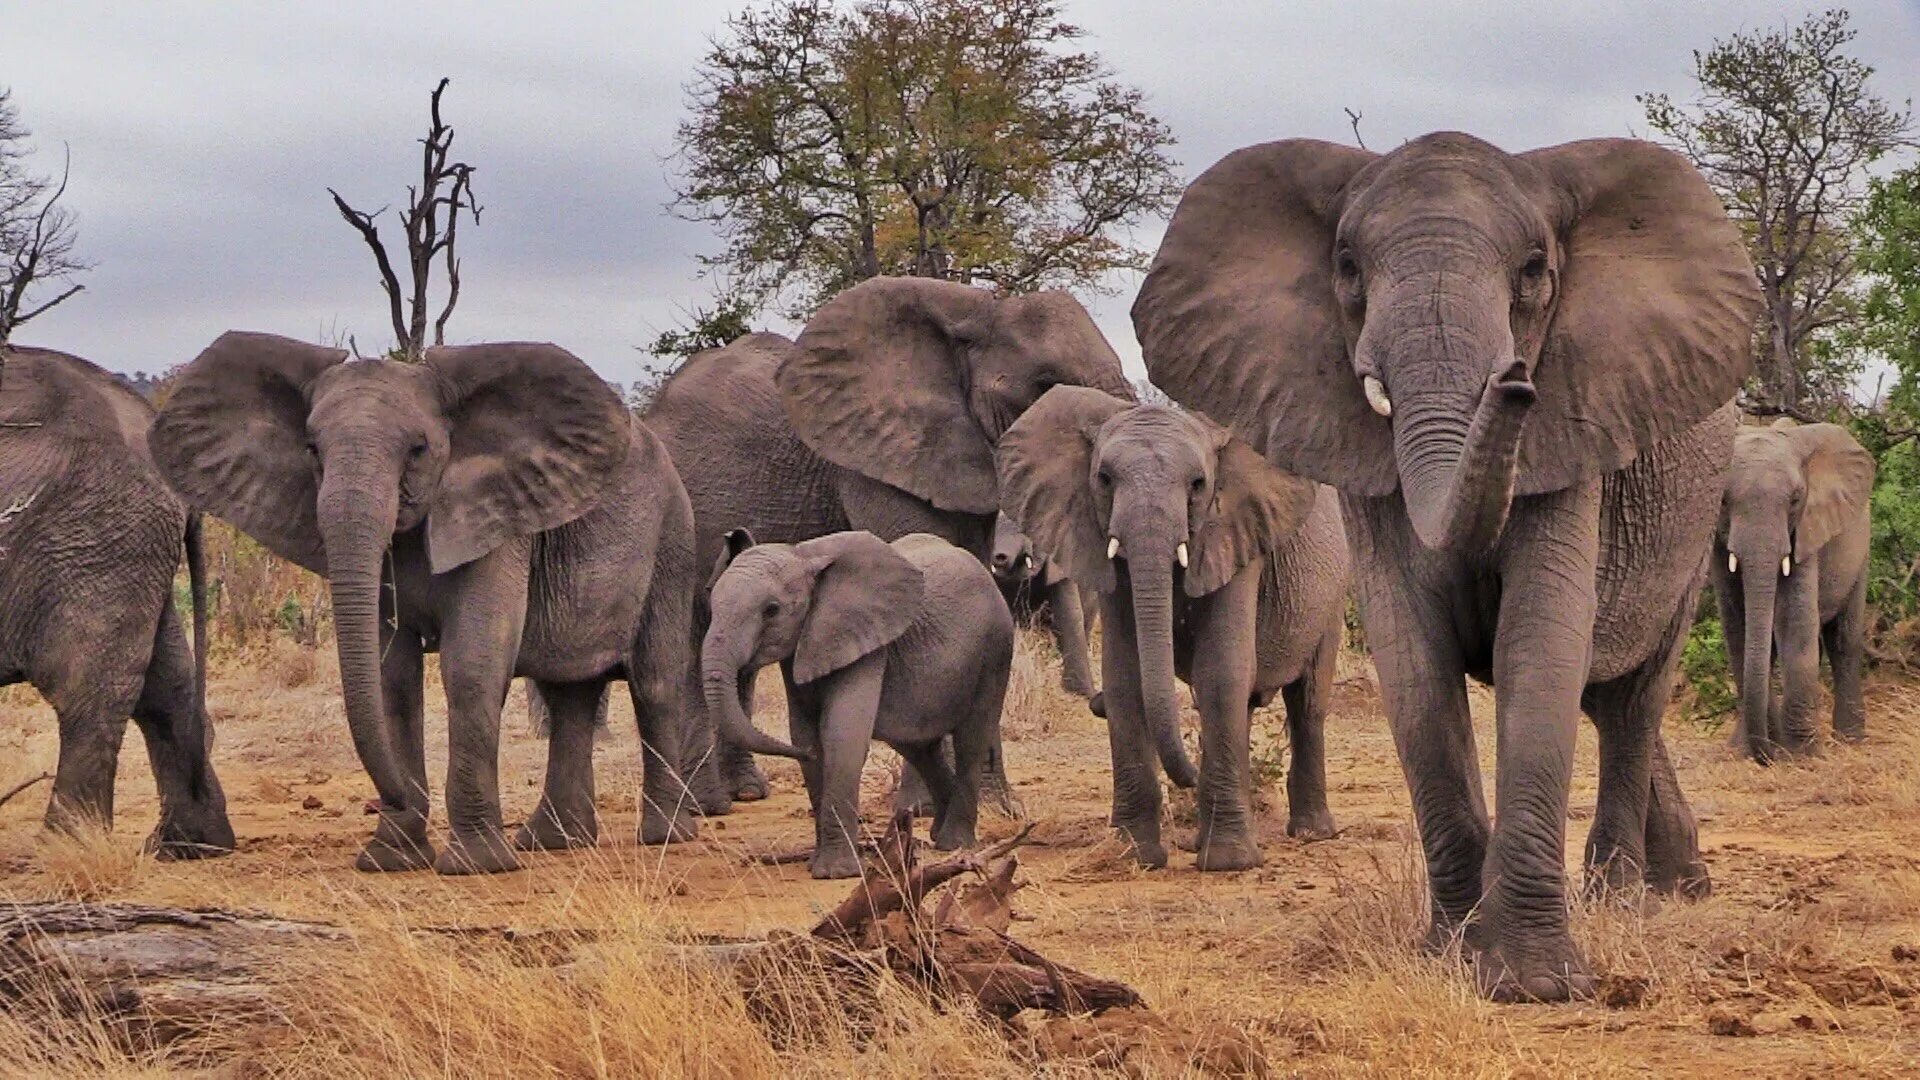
column 1210, row 564
column 90, row 540
column 882, row 416
column 1038, row 592
column 907, row 642
column 1518, row 370
column 494, row 503
column 1790, row 572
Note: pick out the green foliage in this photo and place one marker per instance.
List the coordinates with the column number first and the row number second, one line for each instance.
column 1703, row 664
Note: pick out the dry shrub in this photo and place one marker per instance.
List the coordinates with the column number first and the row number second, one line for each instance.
column 89, row 862
column 255, row 595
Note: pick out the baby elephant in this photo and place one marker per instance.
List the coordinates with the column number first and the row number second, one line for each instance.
column 1790, row 569
column 1209, row 563
column 907, row 642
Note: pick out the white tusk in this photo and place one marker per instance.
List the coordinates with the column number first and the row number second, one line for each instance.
column 1733, row 563
column 1180, row 554
column 1113, row 547
column 1376, row 395
column 1786, row 566
column 1026, row 562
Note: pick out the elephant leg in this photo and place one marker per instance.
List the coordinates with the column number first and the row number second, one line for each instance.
column 1845, row 638
column 92, row 677
column 925, row 759
column 1070, row 634
column 913, row 793
column 1308, row 816
column 1674, row 865
column 193, row 808
column 565, row 816
column 803, row 731
column 1797, row 644
column 848, row 709
column 976, row 752
column 479, row 645
column 1136, row 769
column 1222, row 626
column 403, row 674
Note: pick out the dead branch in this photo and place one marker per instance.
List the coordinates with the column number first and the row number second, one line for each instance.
column 1353, row 121
column 363, row 223
column 22, row 786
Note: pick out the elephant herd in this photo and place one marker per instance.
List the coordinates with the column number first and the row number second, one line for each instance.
column 1489, row 394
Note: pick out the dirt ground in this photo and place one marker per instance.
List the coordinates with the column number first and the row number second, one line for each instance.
column 1805, row 961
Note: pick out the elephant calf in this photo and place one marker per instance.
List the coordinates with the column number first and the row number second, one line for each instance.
column 1790, row 570
column 907, row 642
column 1209, row 563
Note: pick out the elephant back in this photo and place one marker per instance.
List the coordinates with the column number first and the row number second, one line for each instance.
column 58, row 410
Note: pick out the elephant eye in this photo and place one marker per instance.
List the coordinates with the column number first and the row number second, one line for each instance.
column 772, row 609
column 1105, row 478
column 1345, row 265
column 1198, row 485
column 1535, row 267
column 419, row 448
column 313, row 451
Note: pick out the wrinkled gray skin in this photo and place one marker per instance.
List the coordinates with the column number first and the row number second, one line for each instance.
column 1790, row 570
column 90, row 538
column 1529, row 489
column 882, row 417
column 1037, row 592
column 907, row 643
column 496, row 504
column 1210, row 565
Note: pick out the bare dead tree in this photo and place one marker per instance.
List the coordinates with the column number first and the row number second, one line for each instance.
column 431, row 223
column 37, row 234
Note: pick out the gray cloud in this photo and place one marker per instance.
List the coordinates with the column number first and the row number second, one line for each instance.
column 204, row 136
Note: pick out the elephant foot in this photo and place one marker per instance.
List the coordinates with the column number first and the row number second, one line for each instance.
column 1311, row 824
column 399, row 843
column 484, row 852
column 1078, row 685
column 1097, row 704
column 910, row 794
column 554, row 829
column 659, row 827
column 1144, row 848
column 953, row 836
column 1686, row 879
column 1540, row 967
column 997, row 791
column 191, row 834
column 1230, row 852
column 834, row 865
column 750, row 785
column 1851, row 733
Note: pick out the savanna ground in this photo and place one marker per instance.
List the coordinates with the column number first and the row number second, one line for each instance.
column 1805, row 961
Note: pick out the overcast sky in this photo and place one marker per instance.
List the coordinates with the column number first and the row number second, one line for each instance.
column 204, row 136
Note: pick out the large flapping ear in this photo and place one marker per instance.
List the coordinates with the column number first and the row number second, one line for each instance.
column 1839, row 474
column 877, row 385
column 232, row 439
column 1256, row 506
column 1653, row 328
column 1238, row 318
column 537, row 439
column 865, row 594
column 735, row 542
column 1046, row 479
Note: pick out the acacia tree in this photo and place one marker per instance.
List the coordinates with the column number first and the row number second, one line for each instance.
column 1784, row 127
column 969, row 140
column 37, row 234
column 445, row 188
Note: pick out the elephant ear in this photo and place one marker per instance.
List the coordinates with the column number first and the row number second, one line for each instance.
column 878, row 385
column 1256, row 506
column 1046, row 479
column 1653, row 329
column 1237, row 317
column 536, row 440
column 731, row 545
column 1839, row 474
column 865, row 594
column 232, row 439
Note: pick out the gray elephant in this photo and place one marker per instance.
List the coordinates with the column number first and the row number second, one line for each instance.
column 90, row 539
column 1518, row 371
column 1790, row 570
column 496, row 504
column 1039, row 593
column 906, row 642
column 1210, row 564
column 882, row 417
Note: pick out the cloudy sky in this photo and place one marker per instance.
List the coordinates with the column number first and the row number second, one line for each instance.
column 204, row 136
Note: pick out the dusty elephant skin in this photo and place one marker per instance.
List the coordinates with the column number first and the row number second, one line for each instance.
column 496, row 504
column 1790, row 571
column 882, row 416
column 1039, row 593
column 1518, row 371
column 1210, row 564
column 906, row 642
column 90, row 538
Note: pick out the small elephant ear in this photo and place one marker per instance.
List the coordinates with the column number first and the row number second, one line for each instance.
column 1256, row 507
column 735, row 542
column 1237, row 317
column 232, row 439
column 1653, row 329
column 1046, row 479
column 865, row 594
column 1839, row 474
column 537, row 438
column 878, row 385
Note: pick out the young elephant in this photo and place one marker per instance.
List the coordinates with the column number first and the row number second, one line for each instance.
column 906, row 642
column 1038, row 592
column 1210, row 564
column 1790, row 569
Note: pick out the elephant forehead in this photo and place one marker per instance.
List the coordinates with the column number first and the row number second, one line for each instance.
column 1152, row 435
column 763, row 569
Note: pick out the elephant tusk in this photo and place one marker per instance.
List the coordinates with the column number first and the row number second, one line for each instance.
column 1180, row 554
column 1733, row 563
column 1026, row 563
column 1376, row 395
column 1786, row 566
column 1113, row 547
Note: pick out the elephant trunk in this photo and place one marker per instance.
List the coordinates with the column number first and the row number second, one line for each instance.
column 1756, row 666
column 720, row 665
column 1458, row 473
column 1150, row 560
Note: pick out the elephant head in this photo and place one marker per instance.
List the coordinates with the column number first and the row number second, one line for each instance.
column 1012, row 559
column 1096, row 480
column 823, row 603
column 1792, row 489
column 1448, row 319
column 325, row 461
column 912, row 381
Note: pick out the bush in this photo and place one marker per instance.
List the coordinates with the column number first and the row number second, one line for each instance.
column 1708, row 699
column 1893, row 615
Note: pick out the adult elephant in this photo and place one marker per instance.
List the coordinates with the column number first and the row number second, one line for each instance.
column 90, row 539
column 496, row 504
column 1517, row 370
column 882, row 416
